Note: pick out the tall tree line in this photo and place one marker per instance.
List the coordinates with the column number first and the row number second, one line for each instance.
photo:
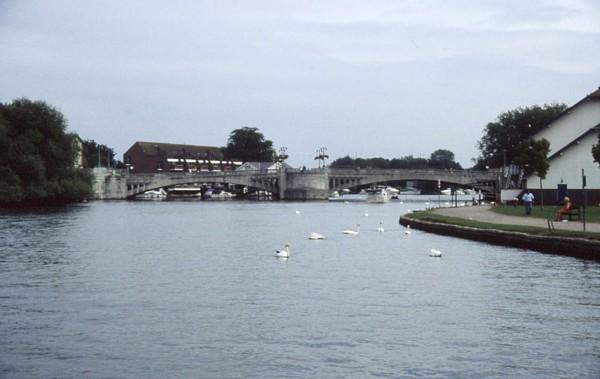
column 37, row 156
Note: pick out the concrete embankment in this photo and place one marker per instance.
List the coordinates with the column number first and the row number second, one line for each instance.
column 569, row 246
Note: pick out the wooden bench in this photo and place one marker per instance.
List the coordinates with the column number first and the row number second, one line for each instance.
column 573, row 212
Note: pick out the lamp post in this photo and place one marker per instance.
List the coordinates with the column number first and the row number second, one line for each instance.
column 321, row 156
column 282, row 156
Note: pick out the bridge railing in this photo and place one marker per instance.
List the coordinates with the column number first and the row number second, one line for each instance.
column 492, row 173
column 200, row 175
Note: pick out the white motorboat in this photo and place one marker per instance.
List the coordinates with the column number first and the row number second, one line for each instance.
column 392, row 191
column 158, row 194
column 219, row 194
column 184, row 192
column 410, row 191
column 377, row 195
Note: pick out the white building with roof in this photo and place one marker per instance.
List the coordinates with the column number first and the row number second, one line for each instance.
column 572, row 135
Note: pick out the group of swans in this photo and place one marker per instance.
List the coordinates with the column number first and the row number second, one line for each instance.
column 285, row 252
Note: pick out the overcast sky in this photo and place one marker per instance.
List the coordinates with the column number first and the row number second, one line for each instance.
column 366, row 78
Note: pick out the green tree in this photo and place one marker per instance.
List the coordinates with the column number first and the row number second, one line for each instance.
column 249, row 145
column 344, row 162
column 533, row 157
column 443, row 159
column 596, row 151
column 93, row 150
column 503, row 139
column 37, row 156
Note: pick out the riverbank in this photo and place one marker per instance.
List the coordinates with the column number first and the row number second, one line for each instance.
column 482, row 224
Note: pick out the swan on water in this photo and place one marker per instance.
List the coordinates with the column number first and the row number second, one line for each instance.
column 315, row 236
column 380, row 227
column 283, row 253
column 352, row 232
column 297, row 212
column 366, row 214
column 407, row 231
column 435, row 253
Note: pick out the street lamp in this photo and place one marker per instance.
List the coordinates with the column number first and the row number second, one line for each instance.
column 282, row 156
column 321, row 156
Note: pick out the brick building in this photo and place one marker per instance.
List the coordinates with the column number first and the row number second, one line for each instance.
column 156, row 157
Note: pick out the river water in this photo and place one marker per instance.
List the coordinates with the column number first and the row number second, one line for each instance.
column 192, row 289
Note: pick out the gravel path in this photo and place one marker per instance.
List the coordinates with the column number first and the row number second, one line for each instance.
column 484, row 214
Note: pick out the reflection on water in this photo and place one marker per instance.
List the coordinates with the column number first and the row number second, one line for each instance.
column 155, row 288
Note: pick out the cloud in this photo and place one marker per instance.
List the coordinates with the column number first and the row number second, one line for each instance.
column 301, row 72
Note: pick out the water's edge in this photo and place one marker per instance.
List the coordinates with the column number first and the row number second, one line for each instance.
column 567, row 246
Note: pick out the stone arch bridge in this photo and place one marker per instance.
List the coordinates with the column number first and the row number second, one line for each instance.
column 291, row 184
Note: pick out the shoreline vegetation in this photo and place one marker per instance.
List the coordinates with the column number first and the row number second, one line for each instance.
column 561, row 242
column 40, row 162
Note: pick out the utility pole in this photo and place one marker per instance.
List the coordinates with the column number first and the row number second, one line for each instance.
column 502, row 182
column 583, row 185
column 439, row 186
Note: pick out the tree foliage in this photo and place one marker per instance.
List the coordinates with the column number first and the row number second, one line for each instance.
column 249, row 145
column 507, row 137
column 37, row 156
column 533, row 157
column 92, row 151
column 596, row 151
column 439, row 159
column 443, row 159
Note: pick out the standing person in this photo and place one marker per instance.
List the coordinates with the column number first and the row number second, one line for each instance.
column 528, row 201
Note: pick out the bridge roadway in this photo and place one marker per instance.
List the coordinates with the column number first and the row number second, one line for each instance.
column 294, row 184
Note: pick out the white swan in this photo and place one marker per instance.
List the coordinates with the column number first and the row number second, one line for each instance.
column 380, row 227
column 315, row 236
column 407, row 231
column 352, row 232
column 283, row 253
column 435, row 253
column 297, row 212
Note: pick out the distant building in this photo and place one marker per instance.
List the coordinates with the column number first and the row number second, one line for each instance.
column 571, row 136
column 151, row 157
column 263, row 166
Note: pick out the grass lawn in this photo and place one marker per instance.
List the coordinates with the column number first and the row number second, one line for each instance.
column 430, row 216
column 592, row 212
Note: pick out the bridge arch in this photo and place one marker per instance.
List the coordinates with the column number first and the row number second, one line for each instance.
column 140, row 183
column 341, row 179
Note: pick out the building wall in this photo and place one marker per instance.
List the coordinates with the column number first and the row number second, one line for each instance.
column 566, row 168
column 151, row 158
column 571, row 125
column 141, row 162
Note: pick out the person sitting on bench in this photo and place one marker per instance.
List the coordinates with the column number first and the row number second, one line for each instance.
column 564, row 210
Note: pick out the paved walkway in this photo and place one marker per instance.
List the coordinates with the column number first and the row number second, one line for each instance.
column 485, row 214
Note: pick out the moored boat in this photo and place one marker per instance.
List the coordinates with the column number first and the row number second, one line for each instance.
column 377, row 195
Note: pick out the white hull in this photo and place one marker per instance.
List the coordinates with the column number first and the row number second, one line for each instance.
column 377, row 196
